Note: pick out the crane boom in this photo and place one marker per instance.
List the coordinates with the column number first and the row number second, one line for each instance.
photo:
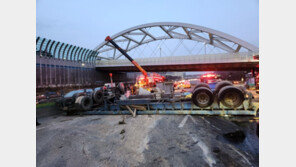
column 108, row 39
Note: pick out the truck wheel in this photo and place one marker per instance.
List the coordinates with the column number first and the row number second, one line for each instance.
column 220, row 85
column 231, row 96
column 201, row 85
column 243, row 89
column 202, row 97
column 98, row 97
column 84, row 103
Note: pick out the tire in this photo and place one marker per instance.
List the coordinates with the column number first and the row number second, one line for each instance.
column 231, row 96
column 243, row 89
column 84, row 103
column 202, row 97
column 201, row 85
column 98, row 97
column 220, row 85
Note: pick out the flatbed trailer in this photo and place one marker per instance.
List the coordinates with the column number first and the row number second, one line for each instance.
column 170, row 107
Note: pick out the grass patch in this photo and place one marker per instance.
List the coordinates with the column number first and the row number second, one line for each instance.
column 45, row 104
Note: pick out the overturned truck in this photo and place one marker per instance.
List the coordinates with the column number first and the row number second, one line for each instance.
column 224, row 99
column 160, row 97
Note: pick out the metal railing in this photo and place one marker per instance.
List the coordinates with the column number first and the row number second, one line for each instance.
column 178, row 60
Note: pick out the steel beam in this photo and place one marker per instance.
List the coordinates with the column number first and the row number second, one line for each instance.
column 47, row 47
column 49, row 51
column 59, row 52
column 211, row 38
column 80, row 58
column 166, row 31
column 55, row 49
column 77, row 56
column 186, row 31
column 64, row 52
column 40, row 50
column 237, row 49
column 131, row 39
column 224, row 46
column 67, row 57
column 194, row 28
column 147, row 33
column 74, row 48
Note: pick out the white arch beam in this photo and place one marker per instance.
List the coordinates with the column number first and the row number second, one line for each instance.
column 215, row 37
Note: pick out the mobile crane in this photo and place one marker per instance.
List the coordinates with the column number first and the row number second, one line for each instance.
column 142, row 80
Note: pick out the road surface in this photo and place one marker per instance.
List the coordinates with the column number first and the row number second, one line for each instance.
column 155, row 140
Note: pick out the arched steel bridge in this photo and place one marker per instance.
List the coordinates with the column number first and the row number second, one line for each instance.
column 136, row 36
column 59, row 63
column 235, row 54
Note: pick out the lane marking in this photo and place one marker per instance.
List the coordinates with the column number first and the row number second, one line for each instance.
column 210, row 124
column 183, row 121
column 205, row 120
column 194, row 121
column 211, row 161
column 40, row 128
column 205, row 150
column 216, row 127
column 242, row 155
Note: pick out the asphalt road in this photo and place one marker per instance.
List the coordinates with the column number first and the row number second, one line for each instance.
column 157, row 140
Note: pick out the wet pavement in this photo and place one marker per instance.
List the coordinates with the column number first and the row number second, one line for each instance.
column 155, row 140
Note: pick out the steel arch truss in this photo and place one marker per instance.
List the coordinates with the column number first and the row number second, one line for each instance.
column 142, row 34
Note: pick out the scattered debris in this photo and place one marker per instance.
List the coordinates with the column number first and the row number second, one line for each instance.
column 121, row 122
column 122, row 131
column 237, row 136
column 216, row 150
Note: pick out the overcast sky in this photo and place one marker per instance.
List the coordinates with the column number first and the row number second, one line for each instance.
column 86, row 23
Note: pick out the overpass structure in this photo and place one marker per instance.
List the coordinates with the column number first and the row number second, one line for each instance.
column 235, row 54
column 210, row 62
column 60, row 64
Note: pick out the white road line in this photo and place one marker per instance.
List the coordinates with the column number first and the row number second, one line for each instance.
column 183, row 121
column 194, row 121
column 242, row 155
column 205, row 150
column 206, row 153
column 40, row 128
column 210, row 124
column 205, row 120
column 216, row 127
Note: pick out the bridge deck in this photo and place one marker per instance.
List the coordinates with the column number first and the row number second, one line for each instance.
column 214, row 62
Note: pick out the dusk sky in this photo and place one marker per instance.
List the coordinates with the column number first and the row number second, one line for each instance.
column 87, row 23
